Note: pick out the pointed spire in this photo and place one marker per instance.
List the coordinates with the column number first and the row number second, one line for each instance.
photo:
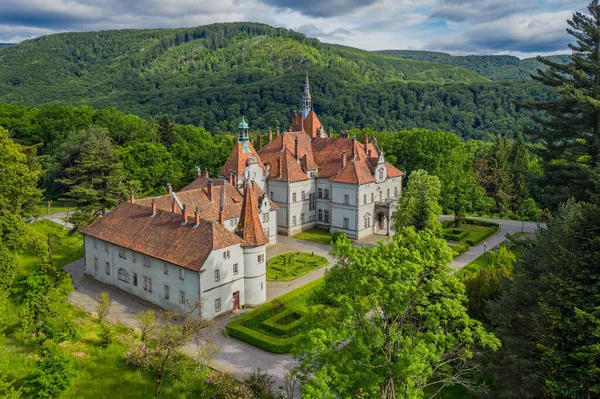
column 306, row 100
column 249, row 227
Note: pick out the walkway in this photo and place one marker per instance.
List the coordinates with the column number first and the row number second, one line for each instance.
column 290, row 244
column 506, row 227
column 235, row 358
column 56, row 218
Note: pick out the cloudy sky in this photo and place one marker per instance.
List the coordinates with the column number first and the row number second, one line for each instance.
column 519, row 27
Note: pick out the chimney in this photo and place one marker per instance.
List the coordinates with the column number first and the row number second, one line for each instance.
column 184, row 214
column 196, row 218
column 277, row 133
column 132, row 197
column 211, row 190
column 296, row 153
column 343, row 159
column 270, row 135
column 169, row 189
column 198, row 172
column 222, row 207
column 206, row 173
column 369, row 153
column 153, row 207
column 366, row 142
column 279, row 165
column 173, row 206
column 259, row 141
column 329, row 132
column 232, row 178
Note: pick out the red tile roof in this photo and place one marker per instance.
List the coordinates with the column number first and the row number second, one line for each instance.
column 249, row 227
column 284, row 146
column 162, row 236
column 312, row 124
column 238, row 160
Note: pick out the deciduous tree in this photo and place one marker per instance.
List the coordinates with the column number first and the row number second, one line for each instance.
column 420, row 202
column 399, row 326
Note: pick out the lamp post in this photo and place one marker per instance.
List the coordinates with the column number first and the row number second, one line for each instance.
column 522, row 225
column 484, row 248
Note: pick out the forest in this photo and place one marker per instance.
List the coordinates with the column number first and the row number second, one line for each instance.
column 210, row 76
column 386, row 321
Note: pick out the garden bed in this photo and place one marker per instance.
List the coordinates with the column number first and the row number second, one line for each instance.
column 290, row 266
column 276, row 325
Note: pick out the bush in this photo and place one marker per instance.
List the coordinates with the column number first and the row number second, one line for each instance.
column 238, row 327
column 261, row 384
column 272, row 324
column 447, row 224
column 476, row 222
column 477, row 238
column 336, row 236
column 455, row 234
column 460, row 248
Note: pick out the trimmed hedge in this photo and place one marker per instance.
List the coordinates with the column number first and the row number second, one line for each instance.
column 272, row 324
column 477, row 238
column 483, row 223
column 455, row 234
column 447, row 224
column 237, row 328
column 460, row 248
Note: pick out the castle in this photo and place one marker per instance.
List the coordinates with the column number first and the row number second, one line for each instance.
column 207, row 243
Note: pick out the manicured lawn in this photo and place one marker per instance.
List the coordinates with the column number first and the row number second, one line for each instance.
column 319, row 236
column 482, row 262
column 292, row 265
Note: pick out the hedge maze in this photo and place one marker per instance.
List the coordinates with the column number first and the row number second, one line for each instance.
column 275, row 326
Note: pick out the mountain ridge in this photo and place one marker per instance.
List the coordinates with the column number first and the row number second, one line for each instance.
column 212, row 75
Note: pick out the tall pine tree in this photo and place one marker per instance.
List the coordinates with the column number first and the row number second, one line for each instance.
column 569, row 127
column 96, row 181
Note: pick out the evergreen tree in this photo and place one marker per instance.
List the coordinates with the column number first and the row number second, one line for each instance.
column 570, row 134
column 498, row 180
column 519, row 174
column 547, row 318
column 95, row 181
column 420, row 203
column 166, row 131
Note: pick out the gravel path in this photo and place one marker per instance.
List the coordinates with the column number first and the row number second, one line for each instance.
column 55, row 217
column 236, row 358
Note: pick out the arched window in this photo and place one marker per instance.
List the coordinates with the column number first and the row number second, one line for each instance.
column 123, row 275
column 381, row 174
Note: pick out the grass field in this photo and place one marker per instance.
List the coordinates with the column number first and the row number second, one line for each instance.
column 99, row 372
column 56, row 207
column 290, row 266
column 319, row 236
column 68, row 249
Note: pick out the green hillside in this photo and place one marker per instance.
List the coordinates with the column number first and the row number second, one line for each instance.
column 212, row 75
column 494, row 67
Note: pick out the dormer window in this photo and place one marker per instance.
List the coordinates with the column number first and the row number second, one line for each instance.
column 380, row 174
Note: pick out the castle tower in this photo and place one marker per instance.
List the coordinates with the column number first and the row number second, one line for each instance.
column 251, row 231
column 306, row 100
column 244, row 136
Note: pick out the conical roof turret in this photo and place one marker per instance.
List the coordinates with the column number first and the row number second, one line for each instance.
column 249, row 227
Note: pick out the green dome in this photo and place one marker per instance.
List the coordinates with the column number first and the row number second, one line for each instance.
column 243, row 124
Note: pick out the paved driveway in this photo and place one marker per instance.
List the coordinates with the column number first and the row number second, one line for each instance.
column 235, row 358
column 506, row 227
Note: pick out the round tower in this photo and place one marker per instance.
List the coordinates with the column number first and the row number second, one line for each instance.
column 254, row 247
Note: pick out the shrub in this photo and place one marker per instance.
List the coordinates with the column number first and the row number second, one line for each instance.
column 336, row 236
column 447, row 224
column 272, row 324
column 455, row 234
column 460, row 248
column 477, row 238
column 476, row 222
column 238, row 327
column 261, row 384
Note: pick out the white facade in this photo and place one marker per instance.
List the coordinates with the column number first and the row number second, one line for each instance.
column 358, row 210
column 230, row 274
